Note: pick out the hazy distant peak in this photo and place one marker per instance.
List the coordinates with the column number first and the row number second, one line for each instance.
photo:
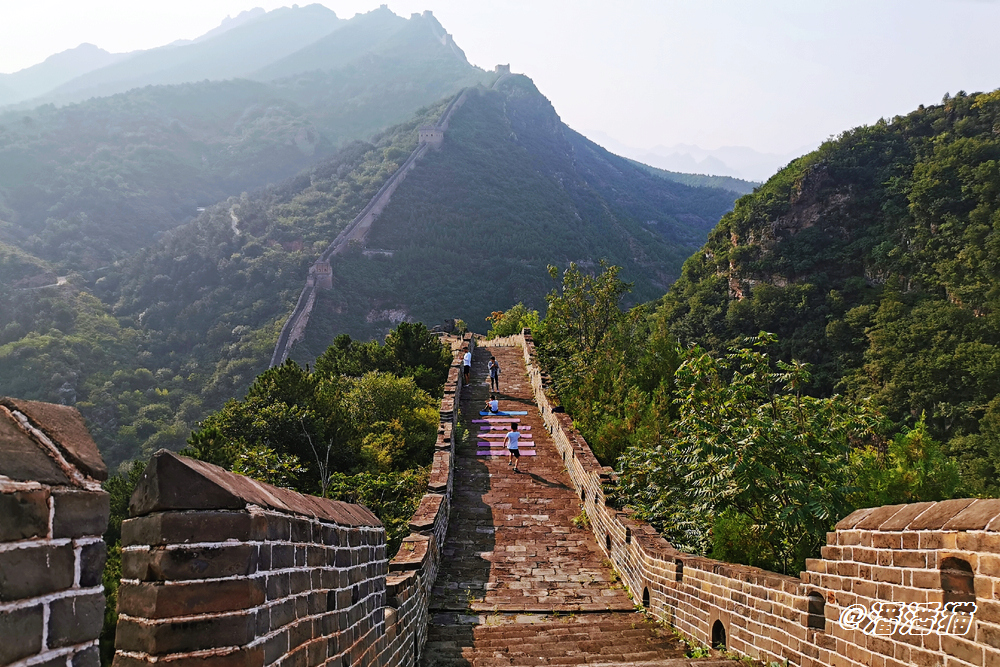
column 54, row 71
column 229, row 23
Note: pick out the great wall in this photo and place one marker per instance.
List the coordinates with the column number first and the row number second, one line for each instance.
column 320, row 273
column 219, row 569
column 499, row 568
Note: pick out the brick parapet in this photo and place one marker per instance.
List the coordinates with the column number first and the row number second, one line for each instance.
column 53, row 514
column 222, row 569
column 887, row 554
column 414, row 569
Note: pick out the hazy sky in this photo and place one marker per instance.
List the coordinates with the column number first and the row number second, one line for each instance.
column 777, row 76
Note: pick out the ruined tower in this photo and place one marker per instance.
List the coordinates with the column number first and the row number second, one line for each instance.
column 323, row 274
column 429, row 134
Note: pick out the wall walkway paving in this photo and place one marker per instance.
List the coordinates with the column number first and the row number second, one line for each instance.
column 520, row 583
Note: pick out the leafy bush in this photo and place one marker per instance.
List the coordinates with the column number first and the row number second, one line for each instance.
column 511, row 322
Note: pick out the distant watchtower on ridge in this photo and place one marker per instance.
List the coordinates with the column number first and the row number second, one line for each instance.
column 323, row 274
column 431, row 135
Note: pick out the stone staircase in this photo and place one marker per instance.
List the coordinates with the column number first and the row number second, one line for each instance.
column 521, row 583
column 596, row 640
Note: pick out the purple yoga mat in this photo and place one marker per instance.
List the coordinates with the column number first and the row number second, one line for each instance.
column 500, row 443
column 501, row 436
column 497, row 452
column 503, row 428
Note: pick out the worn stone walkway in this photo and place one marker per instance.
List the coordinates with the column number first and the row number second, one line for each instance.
column 520, row 583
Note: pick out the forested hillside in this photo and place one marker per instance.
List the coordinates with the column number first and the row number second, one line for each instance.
column 184, row 325
column 179, row 328
column 875, row 259
column 511, row 191
column 90, row 183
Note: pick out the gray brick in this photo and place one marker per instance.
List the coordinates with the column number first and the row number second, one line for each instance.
column 75, row 620
column 26, row 624
column 33, row 571
column 92, row 558
column 25, row 515
column 80, row 513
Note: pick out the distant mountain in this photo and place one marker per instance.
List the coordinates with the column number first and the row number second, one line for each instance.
column 735, row 161
column 227, row 24
column 88, row 183
column 736, row 185
column 187, row 323
column 235, row 53
column 53, row 72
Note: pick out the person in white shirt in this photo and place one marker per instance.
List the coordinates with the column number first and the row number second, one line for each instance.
column 493, row 405
column 513, row 455
column 467, row 360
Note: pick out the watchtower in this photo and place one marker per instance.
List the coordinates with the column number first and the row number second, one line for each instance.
column 429, row 134
column 324, row 275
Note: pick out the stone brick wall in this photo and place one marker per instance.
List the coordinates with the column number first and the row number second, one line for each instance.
column 220, row 569
column 922, row 552
column 414, row 569
column 52, row 516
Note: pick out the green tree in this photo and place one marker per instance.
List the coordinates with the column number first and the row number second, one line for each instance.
column 749, row 446
column 914, row 468
column 512, row 321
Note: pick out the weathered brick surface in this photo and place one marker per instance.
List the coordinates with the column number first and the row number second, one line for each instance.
column 52, row 515
column 25, row 514
column 78, row 513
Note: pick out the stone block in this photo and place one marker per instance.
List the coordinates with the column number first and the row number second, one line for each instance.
column 936, row 516
column 64, row 425
column 159, row 639
column 33, row 571
column 901, row 520
column 23, row 459
column 184, row 527
column 154, row 600
column 92, row 559
column 26, row 624
column 976, row 516
column 962, row 649
column 75, row 620
column 909, row 559
column 185, row 564
column 25, row 515
column 88, row 657
column 79, row 513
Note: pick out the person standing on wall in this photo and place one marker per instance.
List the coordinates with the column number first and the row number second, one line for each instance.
column 494, row 369
column 513, row 455
column 467, row 360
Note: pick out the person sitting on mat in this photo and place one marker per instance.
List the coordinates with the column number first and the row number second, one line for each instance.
column 511, row 441
column 493, row 405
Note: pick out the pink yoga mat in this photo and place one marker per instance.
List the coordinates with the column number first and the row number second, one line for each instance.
column 500, row 443
column 497, row 452
column 503, row 428
column 497, row 420
column 501, row 436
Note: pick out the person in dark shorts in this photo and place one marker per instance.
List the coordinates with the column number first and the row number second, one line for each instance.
column 513, row 455
column 467, row 360
column 494, row 369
